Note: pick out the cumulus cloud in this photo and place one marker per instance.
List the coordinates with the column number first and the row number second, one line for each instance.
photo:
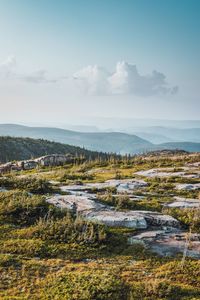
column 9, row 70
column 7, row 67
column 124, row 80
column 93, row 80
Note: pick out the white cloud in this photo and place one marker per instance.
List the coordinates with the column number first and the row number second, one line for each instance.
column 125, row 80
column 93, row 80
column 37, row 77
column 9, row 70
column 7, row 67
column 9, row 62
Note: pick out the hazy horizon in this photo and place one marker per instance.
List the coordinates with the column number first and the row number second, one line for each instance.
column 108, row 124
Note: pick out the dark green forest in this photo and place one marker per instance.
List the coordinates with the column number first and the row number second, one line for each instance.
column 16, row 148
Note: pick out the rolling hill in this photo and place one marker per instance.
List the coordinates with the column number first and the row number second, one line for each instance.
column 109, row 142
column 13, row 148
column 98, row 141
column 159, row 134
column 187, row 146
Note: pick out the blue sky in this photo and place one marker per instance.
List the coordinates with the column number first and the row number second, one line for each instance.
column 71, row 59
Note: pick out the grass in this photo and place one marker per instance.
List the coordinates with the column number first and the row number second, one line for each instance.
column 46, row 253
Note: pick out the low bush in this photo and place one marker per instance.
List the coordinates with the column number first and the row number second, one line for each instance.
column 68, row 230
column 30, row 184
column 87, row 285
column 20, row 208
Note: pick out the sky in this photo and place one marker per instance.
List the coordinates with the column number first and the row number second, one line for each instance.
column 65, row 61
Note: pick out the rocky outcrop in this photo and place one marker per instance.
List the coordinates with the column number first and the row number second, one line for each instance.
column 184, row 203
column 46, row 161
column 8, row 167
column 159, row 173
column 169, row 172
column 129, row 219
column 95, row 211
column 121, row 185
column 28, row 164
column 54, row 160
column 188, row 186
column 85, row 200
column 91, row 209
column 169, row 242
column 82, row 202
column 157, row 219
column 194, row 165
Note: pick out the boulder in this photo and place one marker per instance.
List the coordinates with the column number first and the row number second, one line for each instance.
column 28, row 164
column 54, row 160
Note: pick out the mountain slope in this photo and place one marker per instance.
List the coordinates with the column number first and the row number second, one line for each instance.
column 99, row 141
column 187, row 146
column 12, row 148
column 167, row 134
column 154, row 137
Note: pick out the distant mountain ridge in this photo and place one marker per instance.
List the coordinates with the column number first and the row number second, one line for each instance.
column 159, row 134
column 99, row 141
column 110, row 142
column 187, row 146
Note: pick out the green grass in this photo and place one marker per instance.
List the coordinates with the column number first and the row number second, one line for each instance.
column 47, row 253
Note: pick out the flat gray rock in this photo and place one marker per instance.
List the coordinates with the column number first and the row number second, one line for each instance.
column 166, row 243
column 91, row 209
column 117, row 218
column 168, row 172
column 82, row 202
column 122, row 185
column 159, row 173
column 184, row 203
column 188, row 186
column 158, row 219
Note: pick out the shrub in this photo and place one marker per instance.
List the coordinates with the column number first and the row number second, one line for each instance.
column 76, row 176
column 23, row 209
column 33, row 247
column 32, row 185
column 188, row 217
column 87, row 285
column 68, row 230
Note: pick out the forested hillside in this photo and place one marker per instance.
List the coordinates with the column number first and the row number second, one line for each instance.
column 13, row 148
